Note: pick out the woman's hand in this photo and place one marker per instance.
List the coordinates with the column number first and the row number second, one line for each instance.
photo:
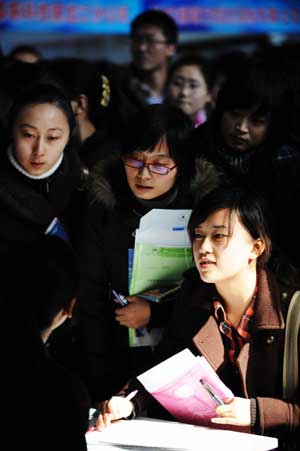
column 136, row 314
column 114, row 409
column 236, row 411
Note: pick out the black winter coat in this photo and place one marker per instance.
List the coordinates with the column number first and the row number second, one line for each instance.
column 112, row 218
column 27, row 206
column 46, row 406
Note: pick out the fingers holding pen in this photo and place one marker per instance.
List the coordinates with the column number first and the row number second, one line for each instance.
column 104, row 418
column 136, row 314
column 236, row 411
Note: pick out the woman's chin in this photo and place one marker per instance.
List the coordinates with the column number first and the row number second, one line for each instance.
column 36, row 169
column 145, row 194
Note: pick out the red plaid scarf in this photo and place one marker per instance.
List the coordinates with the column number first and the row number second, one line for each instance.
column 237, row 337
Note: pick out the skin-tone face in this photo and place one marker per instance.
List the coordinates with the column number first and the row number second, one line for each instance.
column 149, row 47
column 40, row 135
column 223, row 249
column 188, row 90
column 145, row 184
column 26, row 57
column 243, row 130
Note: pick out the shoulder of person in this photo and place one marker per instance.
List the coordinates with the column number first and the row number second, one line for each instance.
column 206, row 178
column 107, row 183
column 203, row 132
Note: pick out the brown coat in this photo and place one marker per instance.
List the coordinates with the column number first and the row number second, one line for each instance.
column 260, row 361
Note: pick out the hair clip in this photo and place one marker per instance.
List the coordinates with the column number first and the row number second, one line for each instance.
column 105, row 99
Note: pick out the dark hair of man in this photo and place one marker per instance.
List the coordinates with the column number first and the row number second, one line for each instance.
column 157, row 18
column 25, row 49
column 250, row 206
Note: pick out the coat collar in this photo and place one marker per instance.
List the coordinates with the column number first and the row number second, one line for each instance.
column 267, row 308
column 108, row 184
column 268, row 315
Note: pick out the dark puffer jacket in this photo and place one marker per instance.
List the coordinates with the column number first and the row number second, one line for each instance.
column 111, row 220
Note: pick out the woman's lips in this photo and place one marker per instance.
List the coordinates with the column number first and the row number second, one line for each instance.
column 238, row 140
column 142, row 187
column 206, row 263
column 36, row 164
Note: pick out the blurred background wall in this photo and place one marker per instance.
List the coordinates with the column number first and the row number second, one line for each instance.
column 98, row 29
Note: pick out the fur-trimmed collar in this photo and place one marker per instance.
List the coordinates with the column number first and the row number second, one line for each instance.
column 108, row 184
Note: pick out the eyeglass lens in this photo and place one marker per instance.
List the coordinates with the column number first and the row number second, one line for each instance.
column 155, row 168
column 146, row 39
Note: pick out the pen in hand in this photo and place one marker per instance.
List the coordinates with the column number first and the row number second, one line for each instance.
column 119, row 298
column 211, row 392
column 131, row 395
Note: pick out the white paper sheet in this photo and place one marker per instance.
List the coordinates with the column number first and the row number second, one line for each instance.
column 147, row 434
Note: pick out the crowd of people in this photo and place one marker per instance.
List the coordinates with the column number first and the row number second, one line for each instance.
column 89, row 148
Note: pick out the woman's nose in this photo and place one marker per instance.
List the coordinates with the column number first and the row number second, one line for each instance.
column 205, row 246
column 242, row 125
column 144, row 172
column 38, row 148
column 184, row 90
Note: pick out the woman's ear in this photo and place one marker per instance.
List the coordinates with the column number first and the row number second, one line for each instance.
column 80, row 105
column 258, row 248
column 209, row 98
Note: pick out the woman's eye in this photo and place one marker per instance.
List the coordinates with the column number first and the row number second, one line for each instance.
column 177, row 83
column 27, row 135
column 219, row 236
column 166, row 163
column 158, row 164
column 53, row 138
column 235, row 114
column 259, row 120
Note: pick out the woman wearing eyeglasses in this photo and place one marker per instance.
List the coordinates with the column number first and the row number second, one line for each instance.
column 156, row 169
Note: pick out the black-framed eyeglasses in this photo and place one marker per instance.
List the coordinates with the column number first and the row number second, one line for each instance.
column 149, row 40
column 156, row 168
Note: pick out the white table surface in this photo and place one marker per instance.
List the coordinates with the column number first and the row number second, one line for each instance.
column 148, row 434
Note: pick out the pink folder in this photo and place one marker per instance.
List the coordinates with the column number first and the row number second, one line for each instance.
column 180, row 390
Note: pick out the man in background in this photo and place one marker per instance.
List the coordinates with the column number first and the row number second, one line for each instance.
column 154, row 37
